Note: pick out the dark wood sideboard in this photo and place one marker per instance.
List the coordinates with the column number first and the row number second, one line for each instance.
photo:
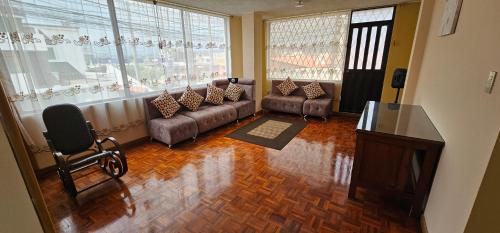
column 397, row 152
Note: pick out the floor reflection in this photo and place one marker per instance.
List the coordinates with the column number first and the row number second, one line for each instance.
column 342, row 169
column 218, row 184
column 303, row 158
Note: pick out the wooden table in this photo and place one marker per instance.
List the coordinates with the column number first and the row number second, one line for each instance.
column 397, row 152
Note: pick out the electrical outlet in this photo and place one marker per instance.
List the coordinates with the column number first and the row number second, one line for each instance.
column 490, row 82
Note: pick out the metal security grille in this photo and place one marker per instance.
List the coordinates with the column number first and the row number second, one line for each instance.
column 307, row 48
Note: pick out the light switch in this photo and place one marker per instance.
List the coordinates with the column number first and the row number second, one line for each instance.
column 490, row 82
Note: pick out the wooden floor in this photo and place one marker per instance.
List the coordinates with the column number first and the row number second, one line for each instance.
column 218, row 184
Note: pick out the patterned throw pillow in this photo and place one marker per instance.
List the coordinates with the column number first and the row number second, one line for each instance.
column 313, row 90
column 287, row 87
column 215, row 95
column 233, row 92
column 190, row 99
column 166, row 104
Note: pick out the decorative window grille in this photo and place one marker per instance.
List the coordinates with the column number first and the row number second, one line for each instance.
column 307, row 48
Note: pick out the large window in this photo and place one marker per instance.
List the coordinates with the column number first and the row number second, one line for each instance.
column 55, row 51
column 307, row 48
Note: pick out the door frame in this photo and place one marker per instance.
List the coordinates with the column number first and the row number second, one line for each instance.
column 21, row 155
column 369, row 25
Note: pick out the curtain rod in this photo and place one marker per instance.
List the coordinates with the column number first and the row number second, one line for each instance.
column 177, row 5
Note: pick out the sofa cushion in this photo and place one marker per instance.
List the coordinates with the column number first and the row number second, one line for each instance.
column 287, row 87
column 318, row 107
column 233, row 92
column 289, row 104
column 243, row 107
column 215, row 95
column 210, row 117
column 190, row 99
column 173, row 130
column 313, row 90
column 166, row 104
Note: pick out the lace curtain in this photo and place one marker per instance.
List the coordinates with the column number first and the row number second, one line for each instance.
column 308, row 48
column 56, row 52
column 65, row 51
column 171, row 47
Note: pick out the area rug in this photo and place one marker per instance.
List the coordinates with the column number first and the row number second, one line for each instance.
column 269, row 131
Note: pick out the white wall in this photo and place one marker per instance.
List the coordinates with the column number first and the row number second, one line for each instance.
column 17, row 213
column 447, row 77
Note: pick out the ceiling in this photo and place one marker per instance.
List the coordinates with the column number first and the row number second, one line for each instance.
column 281, row 8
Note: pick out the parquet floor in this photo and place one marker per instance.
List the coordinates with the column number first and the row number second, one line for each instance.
column 218, row 184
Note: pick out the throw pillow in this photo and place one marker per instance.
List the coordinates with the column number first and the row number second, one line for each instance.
column 287, row 87
column 233, row 92
column 313, row 90
column 190, row 99
column 166, row 104
column 215, row 95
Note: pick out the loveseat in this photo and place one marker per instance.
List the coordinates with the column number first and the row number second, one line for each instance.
column 186, row 124
column 297, row 102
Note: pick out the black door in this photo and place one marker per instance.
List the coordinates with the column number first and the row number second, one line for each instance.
column 367, row 50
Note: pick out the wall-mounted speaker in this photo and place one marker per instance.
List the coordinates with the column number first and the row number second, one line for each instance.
column 398, row 80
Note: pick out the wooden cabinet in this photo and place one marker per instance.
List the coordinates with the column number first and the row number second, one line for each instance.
column 397, row 152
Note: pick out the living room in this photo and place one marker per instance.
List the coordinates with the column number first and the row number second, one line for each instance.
column 249, row 116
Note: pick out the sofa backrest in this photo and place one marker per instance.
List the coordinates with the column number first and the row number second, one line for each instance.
column 150, row 110
column 248, row 86
column 329, row 88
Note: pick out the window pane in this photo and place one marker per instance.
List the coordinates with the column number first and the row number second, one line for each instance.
column 372, row 15
column 352, row 52
column 207, row 55
column 308, row 48
column 381, row 47
column 64, row 52
column 150, row 68
column 371, row 47
column 362, row 46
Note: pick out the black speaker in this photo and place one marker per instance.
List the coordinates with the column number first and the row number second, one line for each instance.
column 399, row 78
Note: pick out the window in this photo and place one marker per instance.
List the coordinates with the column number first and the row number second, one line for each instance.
column 170, row 47
column 59, row 51
column 308, row 48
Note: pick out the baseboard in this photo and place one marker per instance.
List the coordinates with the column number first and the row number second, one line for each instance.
column 423, row 224
column 44, row 172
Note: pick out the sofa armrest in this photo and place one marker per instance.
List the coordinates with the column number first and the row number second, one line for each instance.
column 150, row 111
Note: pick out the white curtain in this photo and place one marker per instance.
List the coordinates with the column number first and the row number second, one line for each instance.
column 65, row 51
column 62, row 52
column 122, row 119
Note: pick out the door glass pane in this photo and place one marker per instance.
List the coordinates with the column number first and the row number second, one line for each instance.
column 352, row 52
column 381, row 47
column 362, row 46
column 371, row 47
column 372, row 15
